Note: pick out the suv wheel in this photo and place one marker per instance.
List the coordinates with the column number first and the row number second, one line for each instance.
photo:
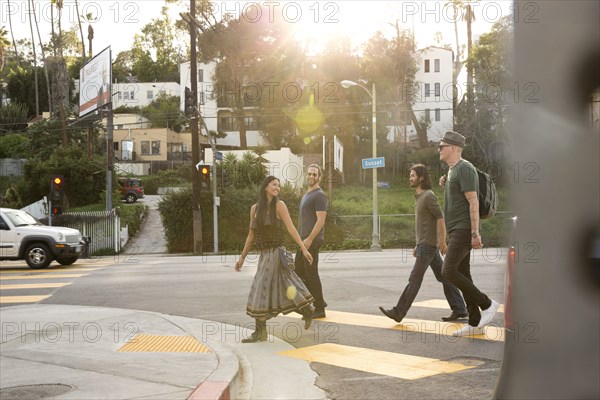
column 38, row 256
column 130, row 198
column 67, row 260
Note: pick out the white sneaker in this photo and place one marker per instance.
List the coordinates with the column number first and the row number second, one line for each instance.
column 488, row 315
column 468, row 330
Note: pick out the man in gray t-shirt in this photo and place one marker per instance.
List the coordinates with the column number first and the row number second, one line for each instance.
column 312, row 214
column 429, row 222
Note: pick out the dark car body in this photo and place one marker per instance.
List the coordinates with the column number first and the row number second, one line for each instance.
column 132, row 189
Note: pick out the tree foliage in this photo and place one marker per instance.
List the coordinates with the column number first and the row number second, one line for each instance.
column 486, row 127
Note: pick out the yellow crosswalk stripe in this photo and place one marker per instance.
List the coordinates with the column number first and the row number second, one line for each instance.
column 40, row 276
column 34, row 286
column 21, row 299
column 375, row 361
column 438, row 303
column 45, row 271
column 412, row 326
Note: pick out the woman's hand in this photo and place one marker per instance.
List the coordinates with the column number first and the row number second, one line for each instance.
column 238, row 264
column 308, row 256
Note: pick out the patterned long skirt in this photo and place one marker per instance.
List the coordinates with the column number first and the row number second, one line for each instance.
column 275, row 289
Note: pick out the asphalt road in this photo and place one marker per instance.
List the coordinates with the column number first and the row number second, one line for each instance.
column 355, row 284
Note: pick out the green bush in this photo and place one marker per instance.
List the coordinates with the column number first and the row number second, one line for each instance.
column 234, row 219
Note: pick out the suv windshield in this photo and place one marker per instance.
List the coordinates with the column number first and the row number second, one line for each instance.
column 21, row 218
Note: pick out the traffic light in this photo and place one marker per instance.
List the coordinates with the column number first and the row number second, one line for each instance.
column 57, row 210
column 56, row 188
column 205, row 174
column 188, row 105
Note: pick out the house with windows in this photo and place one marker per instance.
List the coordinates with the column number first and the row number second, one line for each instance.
column 141, row 94
column 219, row 117
column 434, row 92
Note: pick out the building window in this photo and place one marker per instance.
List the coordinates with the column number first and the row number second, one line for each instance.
column 437, row 90
column 149, row 94
column 436, row 65
column 156, row 147
column 132, row 95
column 116, row 146
column 145, row 147
column 427, row 115
column 437, row 114
column 119, row 95
column 200, row 75
column 426, row 65
column 427, row 90
column 125, row 95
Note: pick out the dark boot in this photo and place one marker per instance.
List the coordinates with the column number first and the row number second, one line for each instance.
column 259, row 335
column 307, row 315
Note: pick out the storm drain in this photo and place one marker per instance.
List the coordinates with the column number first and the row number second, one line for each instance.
column 34, row 392
column 164, row 344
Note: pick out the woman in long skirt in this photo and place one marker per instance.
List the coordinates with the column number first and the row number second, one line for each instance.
column 275, row 289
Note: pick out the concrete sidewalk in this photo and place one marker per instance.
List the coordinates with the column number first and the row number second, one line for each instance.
column 75, row 352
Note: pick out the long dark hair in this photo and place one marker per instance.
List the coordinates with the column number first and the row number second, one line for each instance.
column 421, row 171
column 262, row 205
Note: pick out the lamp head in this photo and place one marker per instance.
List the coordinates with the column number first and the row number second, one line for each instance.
column 346, row 83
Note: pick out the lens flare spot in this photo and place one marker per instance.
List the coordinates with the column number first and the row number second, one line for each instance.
column 291, row 292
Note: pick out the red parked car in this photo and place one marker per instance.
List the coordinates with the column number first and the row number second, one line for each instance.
column 131, row 189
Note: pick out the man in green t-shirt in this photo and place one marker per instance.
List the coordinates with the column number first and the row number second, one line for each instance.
column 461, row 211
column 430, row 239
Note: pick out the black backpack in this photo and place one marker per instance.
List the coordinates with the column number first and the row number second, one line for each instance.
column 487, row 196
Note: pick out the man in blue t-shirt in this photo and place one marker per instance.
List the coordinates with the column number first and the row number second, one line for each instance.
column 311, row 221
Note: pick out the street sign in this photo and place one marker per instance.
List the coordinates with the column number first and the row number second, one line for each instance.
column 219, row 156
column 369, row 163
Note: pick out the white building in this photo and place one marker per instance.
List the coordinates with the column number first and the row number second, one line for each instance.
column 216, row 118
column 433, row 102
column 141, row 94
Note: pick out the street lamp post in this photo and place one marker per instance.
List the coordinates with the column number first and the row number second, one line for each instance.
column 375, row 246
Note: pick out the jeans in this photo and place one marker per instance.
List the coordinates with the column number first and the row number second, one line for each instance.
column 309, row 273
column 457, row 269
column 428, row 256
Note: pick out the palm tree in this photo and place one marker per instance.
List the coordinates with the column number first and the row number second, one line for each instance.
column 469, row 17
column 12, row 31
column 48, row 83
column 35, row 75
column 4, row 43
column 80, row 29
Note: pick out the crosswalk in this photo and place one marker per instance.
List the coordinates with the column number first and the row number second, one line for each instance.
column 21, row 285
column 393, row 364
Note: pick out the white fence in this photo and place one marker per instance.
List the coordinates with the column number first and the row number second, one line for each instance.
column 103, row 227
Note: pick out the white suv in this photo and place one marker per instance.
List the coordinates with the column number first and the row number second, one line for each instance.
column 22, row 237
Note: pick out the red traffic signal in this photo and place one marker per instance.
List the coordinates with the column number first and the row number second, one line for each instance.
column 57, row 210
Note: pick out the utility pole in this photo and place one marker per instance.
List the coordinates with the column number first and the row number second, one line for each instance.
column 196, row 183
column 90, row 133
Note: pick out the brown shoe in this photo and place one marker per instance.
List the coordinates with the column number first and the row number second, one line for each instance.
column 390, row 314
column 455, row 316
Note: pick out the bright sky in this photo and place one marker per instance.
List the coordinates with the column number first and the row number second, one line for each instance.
column 117, row 21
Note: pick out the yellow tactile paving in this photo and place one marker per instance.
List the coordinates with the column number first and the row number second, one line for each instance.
column 164, row 344
column 413, row 326
column 21, row 299
column 38, row 276
column 438, row 303
column 34, row 286
column 375, row 361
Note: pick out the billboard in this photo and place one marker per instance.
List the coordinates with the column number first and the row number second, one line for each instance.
column 95, row 79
